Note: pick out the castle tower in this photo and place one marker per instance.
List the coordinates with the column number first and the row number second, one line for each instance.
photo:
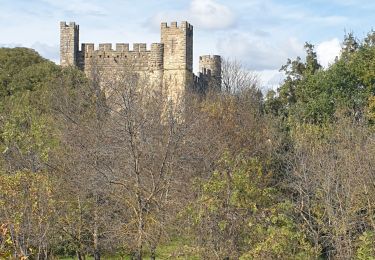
column 210, row 69
column 69, row 44
column 178, row 59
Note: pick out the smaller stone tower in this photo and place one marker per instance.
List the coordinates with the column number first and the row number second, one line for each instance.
column 69, row 44
column 210, row 70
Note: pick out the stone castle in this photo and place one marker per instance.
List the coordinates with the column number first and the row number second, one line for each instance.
column 168, row 64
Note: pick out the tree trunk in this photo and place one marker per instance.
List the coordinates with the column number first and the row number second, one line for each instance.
column 79, row 255
column 96, row 235
column 153, row 253
column 138, row 255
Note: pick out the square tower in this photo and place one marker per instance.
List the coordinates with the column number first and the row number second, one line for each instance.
column 69, row 44
column 178, row 45
column 178, row 59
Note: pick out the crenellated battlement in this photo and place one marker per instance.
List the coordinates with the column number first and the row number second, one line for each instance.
column 121, row 47
column 174, row 25
column 140, row 56
column 210, row 58
column 71, row 25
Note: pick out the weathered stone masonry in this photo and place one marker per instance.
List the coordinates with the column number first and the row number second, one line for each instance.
column 168, row 64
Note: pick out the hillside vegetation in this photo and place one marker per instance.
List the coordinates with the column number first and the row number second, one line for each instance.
column 287, row 175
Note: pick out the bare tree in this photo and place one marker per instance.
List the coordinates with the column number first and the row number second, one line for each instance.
column 334, row 183
column 144, row 136
column 236, row 78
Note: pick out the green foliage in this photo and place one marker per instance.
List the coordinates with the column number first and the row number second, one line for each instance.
column 366, row 246
column 326, row 91
column 33, row 77
column 34, row 89
column 26, row 128
column 241, row 210
column 311, row 94
column 371, row 110
column 246, row 185
column 296, row 73
column 74, row 224
column 278, row 237
column 12, row 62
column 27, row 204
column 273, row 104
column 350, row 46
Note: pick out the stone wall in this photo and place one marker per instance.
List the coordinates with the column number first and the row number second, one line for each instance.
column 111, row 62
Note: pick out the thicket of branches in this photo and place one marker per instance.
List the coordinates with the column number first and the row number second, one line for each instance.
column 94, row 169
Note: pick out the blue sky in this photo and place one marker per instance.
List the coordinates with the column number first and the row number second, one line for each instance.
column 260, row 33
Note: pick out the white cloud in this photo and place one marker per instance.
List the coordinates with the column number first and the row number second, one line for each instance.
column 205, row 14
column 77, row 7
column 270, row 79
column 360, row 4
column 327, row 51
column 10, row 45
column 259, row 53
column 50, row 52
column 211, row 15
